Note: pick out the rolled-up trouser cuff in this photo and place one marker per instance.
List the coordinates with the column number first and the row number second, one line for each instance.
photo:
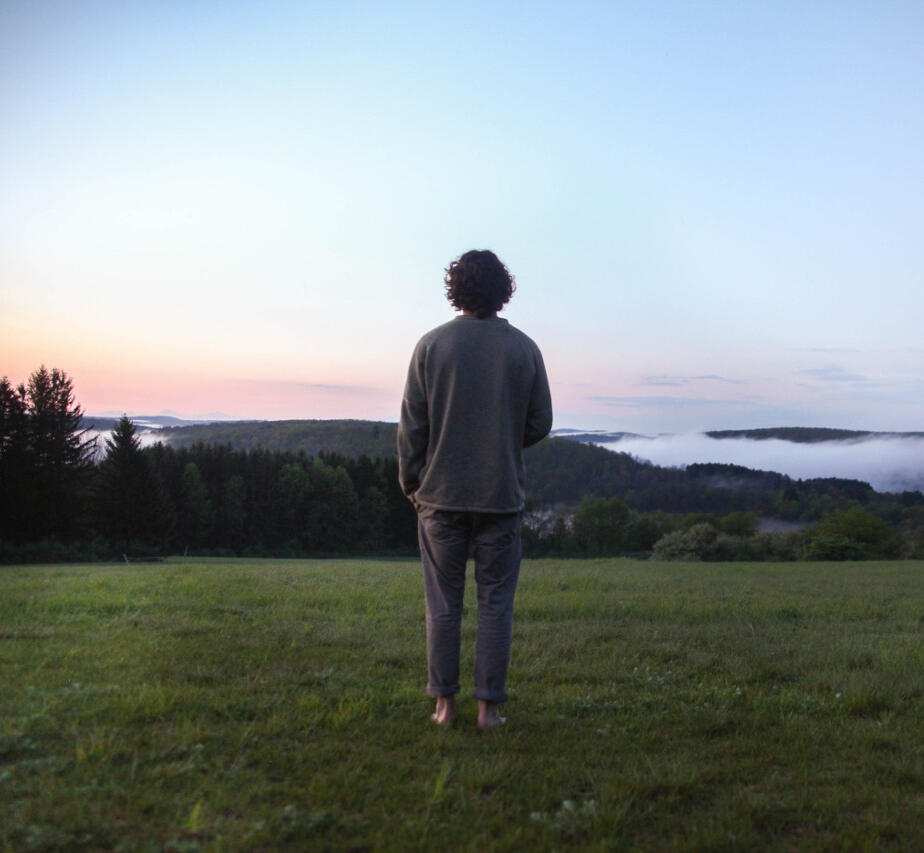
column 494, row 696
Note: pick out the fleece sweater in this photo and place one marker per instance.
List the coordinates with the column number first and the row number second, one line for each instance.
column 476, row 394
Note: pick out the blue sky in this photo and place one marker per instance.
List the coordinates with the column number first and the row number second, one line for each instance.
column 713, row 210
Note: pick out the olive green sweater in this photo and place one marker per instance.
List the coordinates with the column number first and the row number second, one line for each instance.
column 476, row 395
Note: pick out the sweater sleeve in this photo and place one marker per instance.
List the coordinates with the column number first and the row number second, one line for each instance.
column 413, row 426
column 539, row 413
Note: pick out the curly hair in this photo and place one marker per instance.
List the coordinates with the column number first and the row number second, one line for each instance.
column 479, row 282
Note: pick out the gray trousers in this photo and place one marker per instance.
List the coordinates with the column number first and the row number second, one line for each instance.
column 445, row 541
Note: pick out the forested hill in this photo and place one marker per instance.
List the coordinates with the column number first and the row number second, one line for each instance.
column 559, row 470
column 346, row 437
column 808, row 435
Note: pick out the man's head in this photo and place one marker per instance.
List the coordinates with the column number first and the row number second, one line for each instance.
column 479, row 283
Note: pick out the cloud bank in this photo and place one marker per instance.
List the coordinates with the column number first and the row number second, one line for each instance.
column 888, row 464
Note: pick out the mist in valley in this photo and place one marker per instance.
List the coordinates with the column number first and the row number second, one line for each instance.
column 888, row 464
column 146, row 437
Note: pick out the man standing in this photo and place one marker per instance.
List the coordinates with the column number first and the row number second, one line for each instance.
column 476, row 395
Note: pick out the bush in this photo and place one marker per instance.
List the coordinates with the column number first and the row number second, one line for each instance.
column 695, row 543
column 782, row 545
column 852, row 534
column 832, row 546
column 704, row 542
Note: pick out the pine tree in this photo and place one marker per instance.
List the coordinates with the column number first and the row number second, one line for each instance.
column 129, row 501
column 60, row 455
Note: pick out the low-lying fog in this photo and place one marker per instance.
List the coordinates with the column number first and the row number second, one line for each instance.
column 147, row 437
column 887, row 464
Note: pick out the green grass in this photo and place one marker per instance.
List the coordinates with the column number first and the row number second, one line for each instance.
column 261, row 705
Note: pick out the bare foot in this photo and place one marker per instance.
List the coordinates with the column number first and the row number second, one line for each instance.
column 445, row 713
column 489, row 715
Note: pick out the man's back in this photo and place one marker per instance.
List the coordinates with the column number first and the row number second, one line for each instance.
column 476, row 395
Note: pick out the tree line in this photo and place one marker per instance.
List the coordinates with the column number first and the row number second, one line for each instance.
column 64, row 497
column 605, row 527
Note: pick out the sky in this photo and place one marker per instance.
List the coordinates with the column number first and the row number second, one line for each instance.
column 713, row 210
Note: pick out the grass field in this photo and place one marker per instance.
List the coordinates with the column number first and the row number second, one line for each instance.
column 264, row 705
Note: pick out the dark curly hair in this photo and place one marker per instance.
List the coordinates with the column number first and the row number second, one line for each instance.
column 479, row 282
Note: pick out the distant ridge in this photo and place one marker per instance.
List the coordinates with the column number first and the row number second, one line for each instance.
column 808, row 435
column 593, row 436
column 347, row 437
column 106, row 422
column 796, row 435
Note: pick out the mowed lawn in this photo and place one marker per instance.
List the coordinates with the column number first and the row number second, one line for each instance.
column 264, row 705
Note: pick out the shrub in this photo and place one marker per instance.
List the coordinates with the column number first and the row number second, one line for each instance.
column 694, row 543
column 832, row 546
column 782, row 545
column 852, row 534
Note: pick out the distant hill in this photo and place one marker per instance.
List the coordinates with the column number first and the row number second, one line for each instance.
column 593, row 436
column 351, row 438
column 562, row 471
column 808, row 435
column 108, row 422
column 797, row 435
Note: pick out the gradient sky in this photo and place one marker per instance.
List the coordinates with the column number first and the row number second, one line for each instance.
column 713, row 210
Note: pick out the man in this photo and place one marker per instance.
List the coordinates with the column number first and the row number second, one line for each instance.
column 476, row 395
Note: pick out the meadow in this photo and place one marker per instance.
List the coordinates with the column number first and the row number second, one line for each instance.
column 263, row 705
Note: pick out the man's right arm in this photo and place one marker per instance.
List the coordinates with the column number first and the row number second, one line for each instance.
column 539, row 413
column 413, row 427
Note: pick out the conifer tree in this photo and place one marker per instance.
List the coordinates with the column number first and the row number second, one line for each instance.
column 130, row 503
column 60, row 455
